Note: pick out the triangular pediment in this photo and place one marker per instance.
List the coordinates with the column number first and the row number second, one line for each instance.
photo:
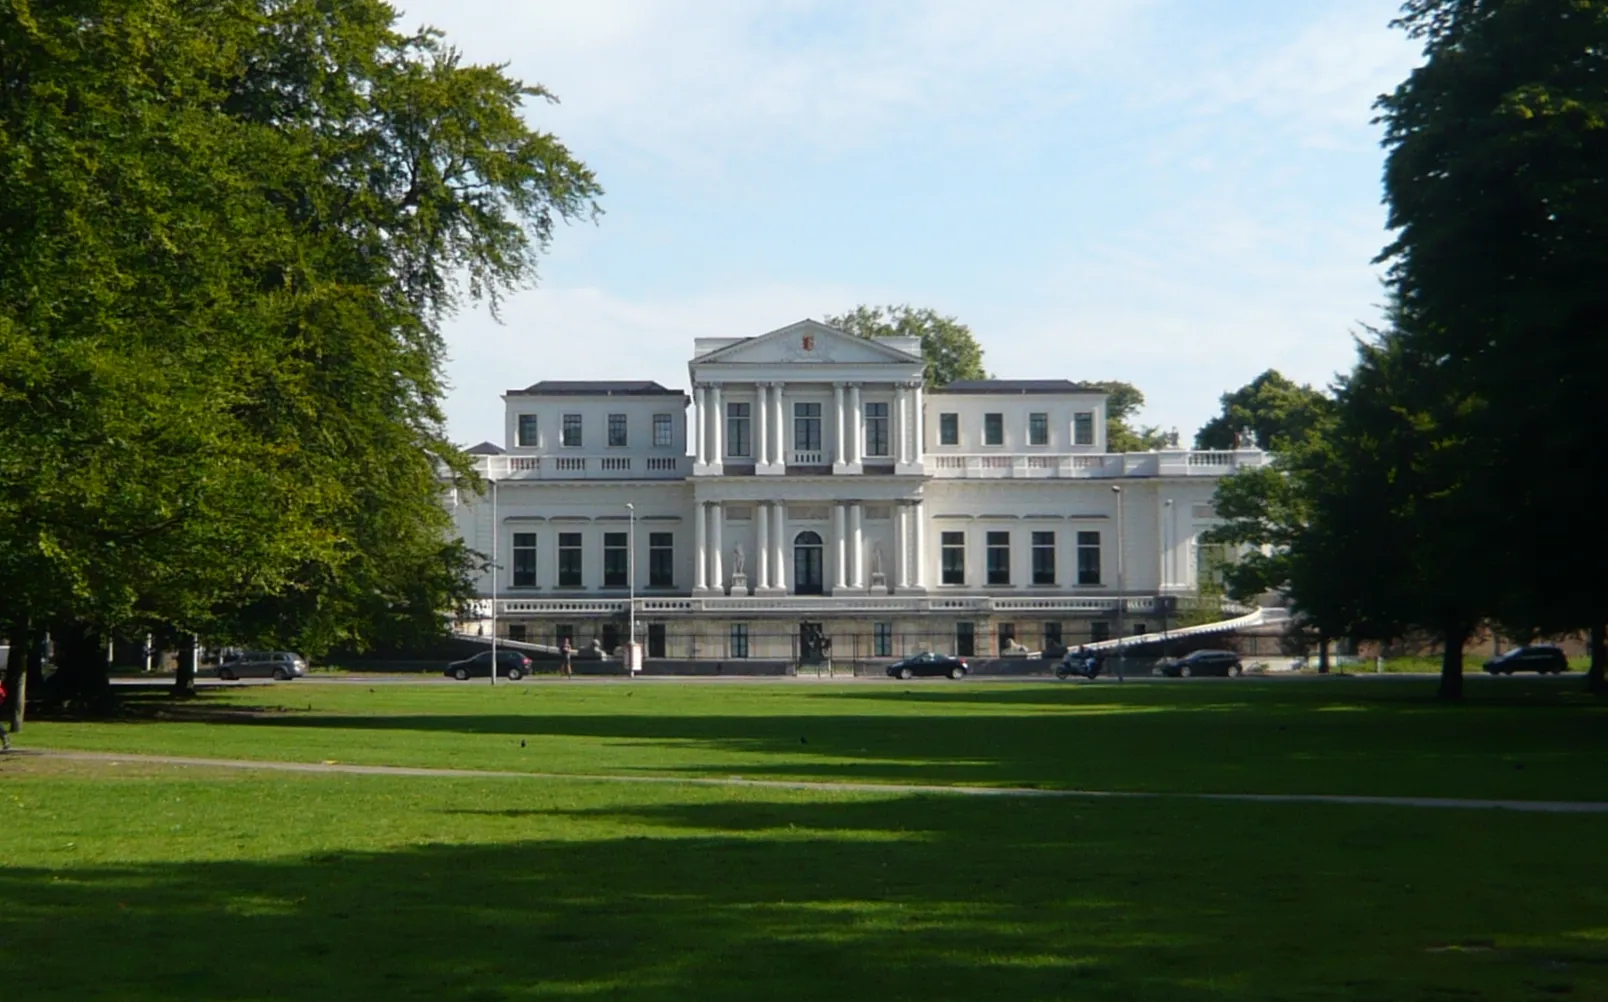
column 805, row 342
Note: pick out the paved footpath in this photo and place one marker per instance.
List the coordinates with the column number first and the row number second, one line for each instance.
column 1530, row 806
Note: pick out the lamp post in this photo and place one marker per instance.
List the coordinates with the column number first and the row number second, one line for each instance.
column 1168, row 567
column 630, row 581
column 496, row 531
column 1122, row 599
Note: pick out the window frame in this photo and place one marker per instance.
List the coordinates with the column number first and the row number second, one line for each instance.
column 878, row 441
column 994, row 428
column 664, row 423
column 619, row 422
column 738, row 641
column 1089, row 571
column 523, row 564
column 529, row 422
column 949, row 428
column 882, row 640
column 947, row 546
column 575, row 423
column 997, row 557
column 1043, row 542
column 807, row 426
column 616, row 559
column 661, row 560
column 1083, row 428
column 739, row 429
column 1038, row 428
column 571, row 559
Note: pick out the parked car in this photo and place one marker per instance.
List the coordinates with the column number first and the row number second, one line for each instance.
column 1083, row 663
column 1543, row 658
column 1201, row 663
column 511, row 665
column 279, row 665
column 928, row 663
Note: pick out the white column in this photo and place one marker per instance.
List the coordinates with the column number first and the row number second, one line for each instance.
column 700, row 546
column 762, row 543
column 717, row 517
column 717, row 413
column 901, row 559
column 901, row 424
column 840, row 535
column 918, row 425
column 839, row 419
column 700, row 439
column 779, row 542
column 761, row 432
column 779, row 453
column 856, row 546
column 855, row 432
column 918, row 513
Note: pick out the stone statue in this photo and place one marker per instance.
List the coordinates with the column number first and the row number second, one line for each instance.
column 739, row 560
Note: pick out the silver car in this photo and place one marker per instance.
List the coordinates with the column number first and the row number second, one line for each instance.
column 262, row 664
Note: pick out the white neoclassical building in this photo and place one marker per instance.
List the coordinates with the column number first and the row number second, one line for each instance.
column 828, row 494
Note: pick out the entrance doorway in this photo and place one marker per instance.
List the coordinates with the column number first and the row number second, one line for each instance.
column 655, row 640
column 808, row 576
column 965, row 639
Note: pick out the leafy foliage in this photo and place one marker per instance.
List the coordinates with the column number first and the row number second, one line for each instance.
column 947, row 345
column 1123, row 401
column 232, row 232
column 1279, row 412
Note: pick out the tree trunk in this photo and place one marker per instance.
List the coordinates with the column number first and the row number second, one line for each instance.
column 1323, row 655
column 16, row 678
column 36, row 661
column 184, row 678
column 81, row 680
column 1451, row 679
column 1599, row 652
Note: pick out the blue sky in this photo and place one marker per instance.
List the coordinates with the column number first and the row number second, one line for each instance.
column 1176, row 193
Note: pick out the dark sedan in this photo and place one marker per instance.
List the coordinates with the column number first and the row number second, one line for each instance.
column 511, row 665
column 1543, row 658
column 928, row 663
column 1201, row 663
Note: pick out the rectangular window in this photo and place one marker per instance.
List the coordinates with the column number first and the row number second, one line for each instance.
column 656, row 640
column 661, row 560
column 616, row 558
column 524, row 560
column 807, row 427
column 1007, row 637
column 737, row 440
column 564, row 633
column 569, row 560
column 999, row 558
column 616, row 431
column 993, row 429
column 611, row 637
column 1099, row 632
column 663, row 431
column 571, row 436
column 1083, row 428
column 882, row 640
column 527, row 431
column 876, row 429
column 1052, row 636
column 1043, row 558
column 949, row 429
column 1038, row 429
column 954, row 558
column 739, row 640
column 516, row 631
column 1088, row 558
column 965, row 640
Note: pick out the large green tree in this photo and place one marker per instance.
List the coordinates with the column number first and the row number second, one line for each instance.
column 232, row 232
column 1123, row 401
column 1277, row 410
column 948, row 346
column 1497, row 181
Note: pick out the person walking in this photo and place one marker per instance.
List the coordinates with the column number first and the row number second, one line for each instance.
column 568, row 652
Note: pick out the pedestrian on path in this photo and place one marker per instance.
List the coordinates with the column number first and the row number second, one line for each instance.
column 565, row 649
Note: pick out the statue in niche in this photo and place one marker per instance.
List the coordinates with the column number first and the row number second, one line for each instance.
column 876, row 559
column 739, row 559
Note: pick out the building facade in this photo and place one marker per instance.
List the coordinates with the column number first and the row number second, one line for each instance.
column 819, row 499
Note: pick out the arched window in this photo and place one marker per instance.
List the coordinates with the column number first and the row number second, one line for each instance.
column 808, row 564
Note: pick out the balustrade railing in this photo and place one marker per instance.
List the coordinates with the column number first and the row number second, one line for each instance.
column 570, row 467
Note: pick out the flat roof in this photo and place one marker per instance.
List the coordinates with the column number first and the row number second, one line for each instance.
column 595, row 388
column 1020, row 386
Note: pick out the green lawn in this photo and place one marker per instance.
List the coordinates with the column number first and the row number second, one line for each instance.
column 137, row 881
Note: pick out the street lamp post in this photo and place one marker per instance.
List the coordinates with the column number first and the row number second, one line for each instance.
column 1168, row 567
column 630, row 580
column 495, row 532
column 1122, row 598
